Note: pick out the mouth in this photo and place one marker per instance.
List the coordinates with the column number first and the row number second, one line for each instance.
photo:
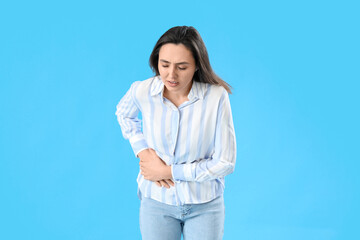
column 173, row 83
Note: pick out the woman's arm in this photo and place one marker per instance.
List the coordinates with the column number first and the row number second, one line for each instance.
column 223, row 160
column 127, row 112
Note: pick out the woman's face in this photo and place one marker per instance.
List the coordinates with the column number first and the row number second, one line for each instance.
column 176, row 67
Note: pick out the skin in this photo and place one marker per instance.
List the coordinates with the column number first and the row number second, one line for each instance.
column 176, row 67
column 176, row 64
column 155, row 169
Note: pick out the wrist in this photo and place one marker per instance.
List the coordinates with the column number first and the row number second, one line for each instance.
column 142, row 153
column 167, row 172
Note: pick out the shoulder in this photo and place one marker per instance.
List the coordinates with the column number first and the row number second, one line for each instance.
column 144, row 87
column 143, row 84
column 141, row 91
column 214, row 91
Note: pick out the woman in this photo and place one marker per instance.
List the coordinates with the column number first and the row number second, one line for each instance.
column 186, row 143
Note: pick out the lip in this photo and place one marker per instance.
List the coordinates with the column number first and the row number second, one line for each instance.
column 171, row 84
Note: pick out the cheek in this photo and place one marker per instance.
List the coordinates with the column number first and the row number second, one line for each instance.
column 161, row 72
column 189, row 76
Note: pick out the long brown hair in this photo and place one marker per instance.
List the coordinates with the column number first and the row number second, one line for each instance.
column 190, row 38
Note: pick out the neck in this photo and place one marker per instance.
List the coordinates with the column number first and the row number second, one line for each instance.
column 176, row 99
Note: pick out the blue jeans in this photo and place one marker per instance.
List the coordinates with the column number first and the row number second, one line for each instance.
column 159, row 221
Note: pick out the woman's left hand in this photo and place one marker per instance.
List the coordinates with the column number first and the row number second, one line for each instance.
column 154, row 169
column 167, row 183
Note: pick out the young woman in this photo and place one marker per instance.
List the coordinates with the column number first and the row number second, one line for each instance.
column 185, row 140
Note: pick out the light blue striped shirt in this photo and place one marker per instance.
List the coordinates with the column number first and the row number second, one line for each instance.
column 197, row 138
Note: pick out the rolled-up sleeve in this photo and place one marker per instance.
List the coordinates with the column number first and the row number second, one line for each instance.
column 223, row 159
column 127, row 111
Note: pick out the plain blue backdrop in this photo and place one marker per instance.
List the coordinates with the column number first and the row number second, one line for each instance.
column 67, row 173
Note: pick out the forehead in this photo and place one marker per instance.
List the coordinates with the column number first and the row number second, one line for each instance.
column 175, row 53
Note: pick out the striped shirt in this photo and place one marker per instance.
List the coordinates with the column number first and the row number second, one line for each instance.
column 196, row 138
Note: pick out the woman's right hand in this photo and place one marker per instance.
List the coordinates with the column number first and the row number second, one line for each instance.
column 148, row 154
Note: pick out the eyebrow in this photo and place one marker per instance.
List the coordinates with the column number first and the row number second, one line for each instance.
column 179, row 63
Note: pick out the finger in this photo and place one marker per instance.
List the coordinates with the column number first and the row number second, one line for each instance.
column 143, row 164
column 158, row 183
column 170, row 182
column 164, row 184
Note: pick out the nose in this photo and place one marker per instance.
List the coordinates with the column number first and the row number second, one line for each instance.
column 172, row 72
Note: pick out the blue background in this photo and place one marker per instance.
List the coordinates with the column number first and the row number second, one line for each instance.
column 67, row 173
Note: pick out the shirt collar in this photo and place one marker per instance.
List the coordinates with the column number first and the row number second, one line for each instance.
column 197, row 89
column 157, row 86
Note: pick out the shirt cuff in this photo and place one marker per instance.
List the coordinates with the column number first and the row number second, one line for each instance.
column 183, row 172
column 138, row 144
column 173, row 176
